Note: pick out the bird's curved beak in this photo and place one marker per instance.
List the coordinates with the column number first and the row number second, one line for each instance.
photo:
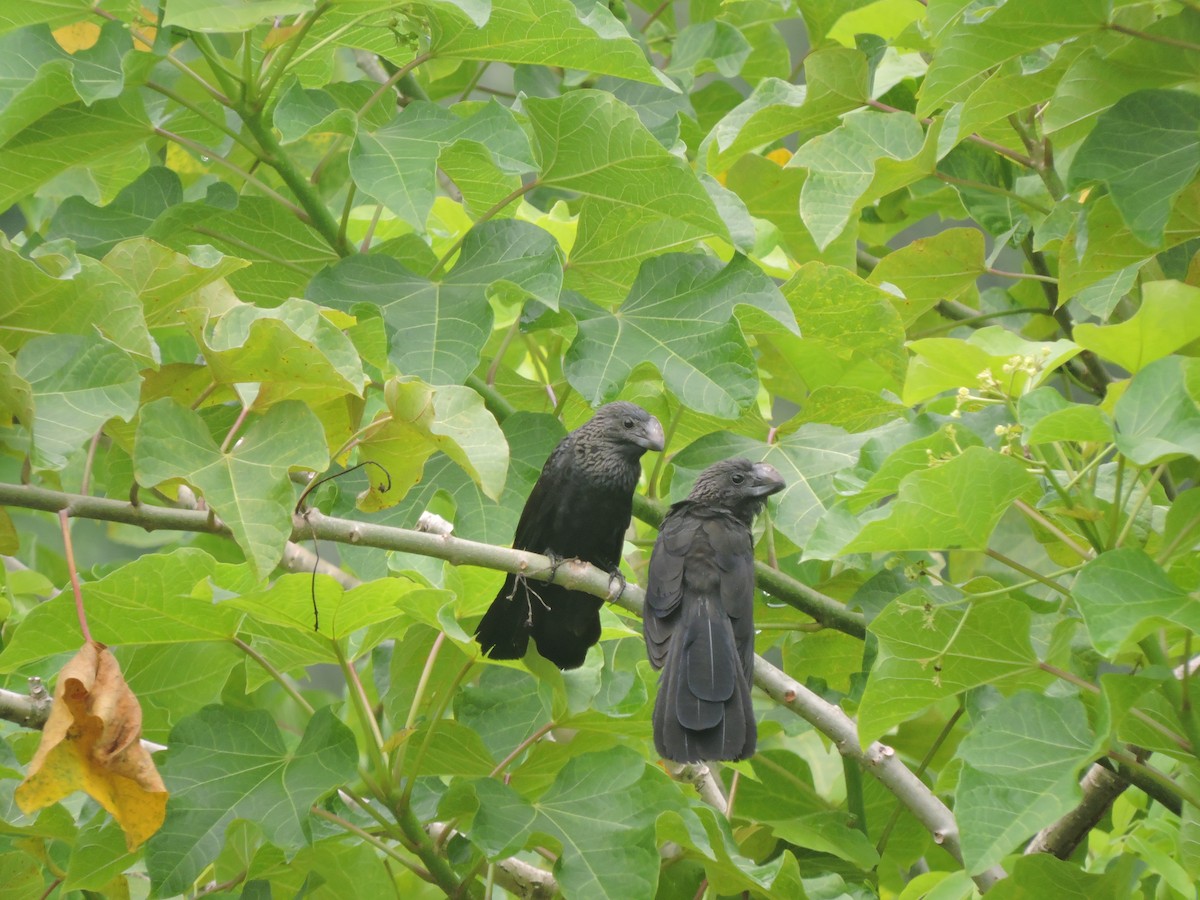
column 651, row 437
column 767, row 480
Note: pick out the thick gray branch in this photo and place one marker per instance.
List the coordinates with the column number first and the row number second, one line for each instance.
column 879, row 760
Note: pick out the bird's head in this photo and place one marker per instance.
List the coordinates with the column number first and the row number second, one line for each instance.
column 628, row 427
column 738, row 485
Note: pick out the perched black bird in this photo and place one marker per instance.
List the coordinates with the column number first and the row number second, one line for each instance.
column 699, row 619
column 580, row 507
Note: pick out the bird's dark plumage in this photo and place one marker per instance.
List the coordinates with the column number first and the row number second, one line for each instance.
column 579, row 507
column 699, row 619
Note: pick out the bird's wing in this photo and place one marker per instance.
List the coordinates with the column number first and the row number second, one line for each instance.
column 664, row 582
column 535, row 528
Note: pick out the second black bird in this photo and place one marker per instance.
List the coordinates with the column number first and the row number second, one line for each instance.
column 579, row 507
column 699, row 618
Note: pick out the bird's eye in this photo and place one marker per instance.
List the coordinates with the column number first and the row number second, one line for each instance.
column 737, row 477
column 628, row 423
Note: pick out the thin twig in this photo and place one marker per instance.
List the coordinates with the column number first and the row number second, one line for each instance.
column 65, row 523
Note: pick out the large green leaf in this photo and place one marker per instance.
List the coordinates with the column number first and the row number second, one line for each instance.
column 155, row 599
column 1166, row 321
column 229, row 15
column 285, row 252
column 679, row 318
column 868, row 155
column 247, row 484
column 97, row 229
column 1146, row 149
column 929, row 270
column 87, row 299
column 71, row 135
column 835, row 83
column 929, row 652
column 637, row 198
column 1123, row 595
column 420, row 421
column 78, row 383
column 37, row 12
column 543, row 32
column 851, row 334
column 1158, row 416
column 436, row 328
column 293, row 350
column 955, row 505
column 228, row 764
column 1019, row 773
column 166, row 281
column 601, row 809
column 976, row 44
column 398, row 163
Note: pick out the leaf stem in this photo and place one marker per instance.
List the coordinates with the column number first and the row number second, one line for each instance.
column 523, row 746
column 1026, row 571
column 375, row 842
column 266, row 86
column 362, row 708
column 283, row 680
column 454, row 248
column 886, row 833
column 1173, row 688
column 1158, row 777
column 228, row 81
column 318, row 213
column 652, row 481
column 991, row 189
column 1114, row 518
column 73, row 573
column 1067, row 540
column 423, row 681
column 1154, row 38
column 1141, row 501
column 207, row 153
column 200, row 111
column 391, row 82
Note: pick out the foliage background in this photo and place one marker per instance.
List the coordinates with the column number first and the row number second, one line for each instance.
column 940, row 267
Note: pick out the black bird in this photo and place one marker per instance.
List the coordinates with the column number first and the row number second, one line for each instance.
column 579, row 507
column 699, row 618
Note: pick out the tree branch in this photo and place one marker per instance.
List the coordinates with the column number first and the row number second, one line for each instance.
column 878, row 760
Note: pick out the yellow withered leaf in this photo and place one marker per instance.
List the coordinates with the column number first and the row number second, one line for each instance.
column 92, row 743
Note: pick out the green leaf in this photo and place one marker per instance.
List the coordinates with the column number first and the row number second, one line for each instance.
column 165, row 280
column 72, row 135
column 421, row 421
column 174, row 679
column 1019, row 773
column 801, row 817
column 503, row 821
column 601, row 809
column 1047, row 417
column 229, row 15
column 155, row 599
column 77, row 384
column 35, row 77
column 247, row 485
column 1146, row 149
column 974, row 45
column 709, row 47
column 1123, row 595
column 852, row 335
column 545, row 33
column 398, row 163
column 856, row 162
column 292, row 351
column 1158, row 416
column 835, row 83
column 955, row 505
column 228, row 764
column 944, row 266
column 679, row 318
column 437, row 327
column 1043, row 875
column 92, row 299
column 36, row 12
column 451, row 748
column 929, row 652
column 637, row 198
column 991, row 357
column 95, row 230
column 1165, row 322
column 285, row 253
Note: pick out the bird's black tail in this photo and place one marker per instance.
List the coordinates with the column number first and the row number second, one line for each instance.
column 703, row 710
column 563, row 623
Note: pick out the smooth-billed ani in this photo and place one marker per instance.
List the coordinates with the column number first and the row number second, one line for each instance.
column 579, row 507
column 699, row 618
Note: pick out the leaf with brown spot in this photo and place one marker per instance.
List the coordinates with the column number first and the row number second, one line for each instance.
column 92, row 743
